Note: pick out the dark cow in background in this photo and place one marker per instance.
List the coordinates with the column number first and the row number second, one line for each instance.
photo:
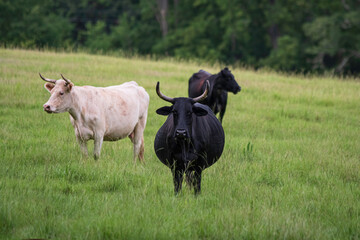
column 220, row 84
column 190, row 140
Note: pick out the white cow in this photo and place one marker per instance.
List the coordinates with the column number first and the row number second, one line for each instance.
column 101, row 113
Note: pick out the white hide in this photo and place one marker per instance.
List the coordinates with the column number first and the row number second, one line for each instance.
column 102, row 113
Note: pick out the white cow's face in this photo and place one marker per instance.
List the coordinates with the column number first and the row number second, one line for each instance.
column 60, row 99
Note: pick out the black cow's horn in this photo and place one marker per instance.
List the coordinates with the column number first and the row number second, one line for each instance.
column 204, row 95
column 66, row 80
column 47, row 79
column 162, row 96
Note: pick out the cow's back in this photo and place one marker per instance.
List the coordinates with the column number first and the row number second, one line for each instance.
column 130, row 103
column 113, row 110
column 196, row 83
column 142, row 96
column 133, row 95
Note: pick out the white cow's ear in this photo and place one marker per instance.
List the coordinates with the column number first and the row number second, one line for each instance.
column 49, row 86
column 69, row 86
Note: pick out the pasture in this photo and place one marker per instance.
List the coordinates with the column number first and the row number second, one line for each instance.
column 290, row 168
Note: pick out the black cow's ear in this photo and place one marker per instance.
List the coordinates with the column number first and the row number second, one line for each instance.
column 199, row 111
column 164, row 111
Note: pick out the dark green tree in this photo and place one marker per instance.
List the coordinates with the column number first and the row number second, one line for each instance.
column 299, row 35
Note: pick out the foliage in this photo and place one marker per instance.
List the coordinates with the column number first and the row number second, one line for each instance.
column 290, row 167
column 284, row 35
column 29, row 24
column 285, row 56
column 335, row 40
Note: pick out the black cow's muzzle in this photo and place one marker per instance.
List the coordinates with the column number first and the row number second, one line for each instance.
column 181, row 134
column 237, row 90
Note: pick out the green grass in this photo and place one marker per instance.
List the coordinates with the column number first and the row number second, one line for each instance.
column 290, row 168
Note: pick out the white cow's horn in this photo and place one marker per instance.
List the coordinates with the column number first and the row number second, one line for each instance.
column 66, row 80
column 47, row 79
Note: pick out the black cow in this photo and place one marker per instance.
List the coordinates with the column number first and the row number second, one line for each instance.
column 220, row 84
column 190, row 140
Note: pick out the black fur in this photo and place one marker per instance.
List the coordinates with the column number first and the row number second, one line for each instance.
column 220, row 84
column 190, row 140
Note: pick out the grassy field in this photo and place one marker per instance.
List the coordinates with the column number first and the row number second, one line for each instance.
column 290, row 168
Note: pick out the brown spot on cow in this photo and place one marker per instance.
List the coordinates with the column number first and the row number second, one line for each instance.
column 131, row 136
column 201, row 83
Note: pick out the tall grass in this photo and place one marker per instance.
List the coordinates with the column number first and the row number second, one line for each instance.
column 290, row 167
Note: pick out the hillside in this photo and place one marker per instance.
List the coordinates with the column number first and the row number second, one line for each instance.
column 290, row 168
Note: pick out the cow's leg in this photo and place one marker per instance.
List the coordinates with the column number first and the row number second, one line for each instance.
column 98, row 141
column 137, row 142
column 83, row 146
column 197, row 181
column 189, row 178
column 139, row 153
column 178, row 178
column 222, row 102
column 138, row 139
column 222, row 112
column 142, row 149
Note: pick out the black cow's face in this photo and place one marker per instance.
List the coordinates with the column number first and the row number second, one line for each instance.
column 182, row 113
column 228, row 81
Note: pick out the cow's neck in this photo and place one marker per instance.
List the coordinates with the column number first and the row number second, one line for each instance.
column 217, row 81
column 214, row 87
column 75, row 110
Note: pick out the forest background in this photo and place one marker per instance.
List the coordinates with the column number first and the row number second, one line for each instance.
column 293, row 36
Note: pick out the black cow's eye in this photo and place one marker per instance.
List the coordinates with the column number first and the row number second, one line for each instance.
column 61, row 93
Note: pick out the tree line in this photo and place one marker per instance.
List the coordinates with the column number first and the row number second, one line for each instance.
column 286, row 35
